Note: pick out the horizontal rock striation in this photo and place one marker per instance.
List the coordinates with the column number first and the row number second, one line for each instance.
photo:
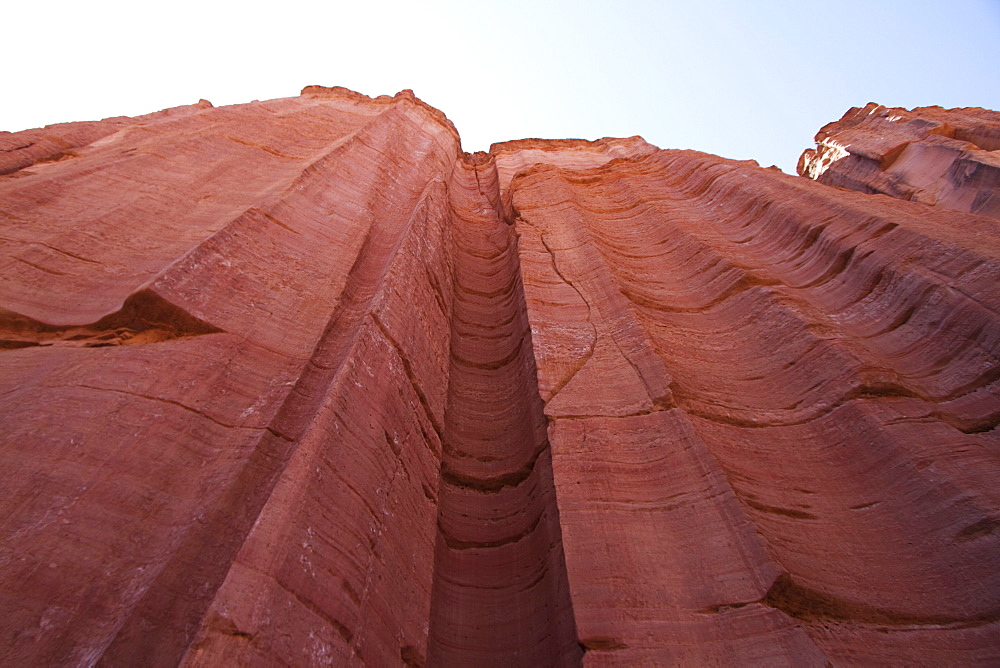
column 300, row 382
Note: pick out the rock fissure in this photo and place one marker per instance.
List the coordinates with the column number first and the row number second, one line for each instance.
column 497, row 500
column 582, row 360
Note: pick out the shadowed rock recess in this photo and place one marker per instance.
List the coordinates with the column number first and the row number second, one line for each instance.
column 300, row 382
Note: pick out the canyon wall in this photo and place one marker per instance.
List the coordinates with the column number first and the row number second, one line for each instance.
column 300, row 382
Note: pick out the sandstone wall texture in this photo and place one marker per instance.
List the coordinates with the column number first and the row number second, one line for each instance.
column 300, row 382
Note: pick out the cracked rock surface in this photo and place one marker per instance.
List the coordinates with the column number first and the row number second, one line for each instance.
column 300, row 382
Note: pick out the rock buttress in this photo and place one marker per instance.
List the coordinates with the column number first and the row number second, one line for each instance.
column 772, row 410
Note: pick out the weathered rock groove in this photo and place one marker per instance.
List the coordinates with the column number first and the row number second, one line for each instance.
column 500, row 591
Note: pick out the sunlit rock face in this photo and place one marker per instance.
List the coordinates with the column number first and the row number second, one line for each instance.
column 300, row 382
column 948, row 158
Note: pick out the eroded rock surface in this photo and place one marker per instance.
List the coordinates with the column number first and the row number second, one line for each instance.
column 299, row 382
column 944, row 157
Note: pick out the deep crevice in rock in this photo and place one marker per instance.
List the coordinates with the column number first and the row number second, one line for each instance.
column 500, row 592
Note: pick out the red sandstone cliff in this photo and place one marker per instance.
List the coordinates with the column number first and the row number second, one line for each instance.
column 300, row 382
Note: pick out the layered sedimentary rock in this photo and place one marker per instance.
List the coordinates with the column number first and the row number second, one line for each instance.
column 942, row 157
column 300, row 382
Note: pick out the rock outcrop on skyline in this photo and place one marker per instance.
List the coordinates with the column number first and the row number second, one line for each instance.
column 300, row 382
column 942, row 157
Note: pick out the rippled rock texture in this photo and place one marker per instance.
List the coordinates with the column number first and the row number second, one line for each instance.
column 299, row 382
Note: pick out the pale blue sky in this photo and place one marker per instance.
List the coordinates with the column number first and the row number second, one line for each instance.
column 740, row 79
